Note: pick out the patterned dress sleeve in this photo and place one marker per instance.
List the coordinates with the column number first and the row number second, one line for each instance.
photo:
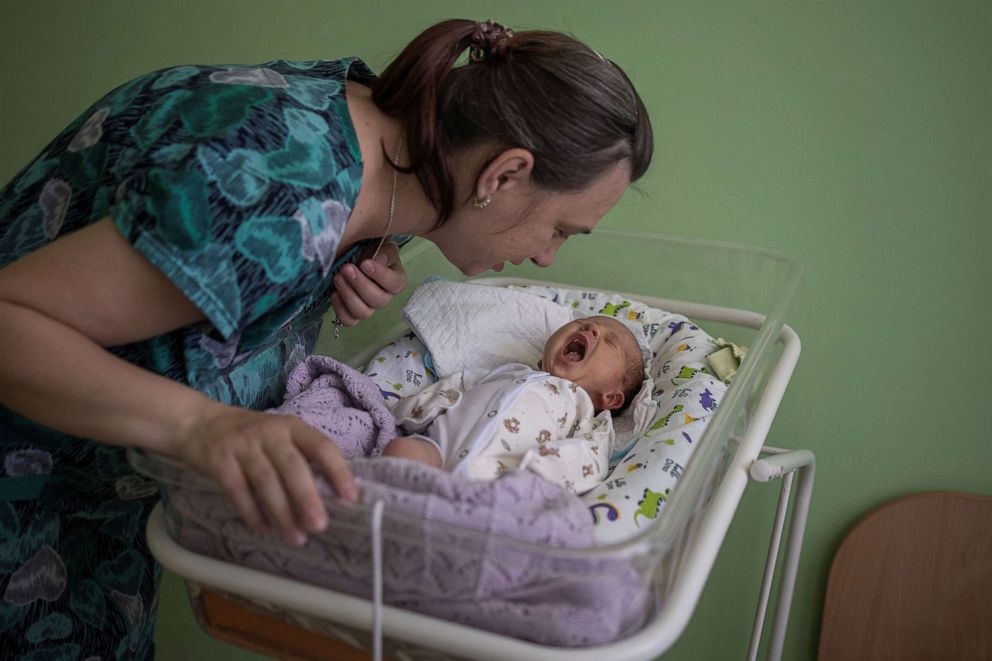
column 241, row 185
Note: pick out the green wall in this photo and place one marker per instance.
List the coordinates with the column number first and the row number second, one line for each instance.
column 856, row 137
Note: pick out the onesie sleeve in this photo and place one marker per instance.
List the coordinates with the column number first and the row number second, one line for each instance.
column 416, row 412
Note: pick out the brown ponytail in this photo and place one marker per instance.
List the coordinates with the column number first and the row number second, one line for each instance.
column 574, row 110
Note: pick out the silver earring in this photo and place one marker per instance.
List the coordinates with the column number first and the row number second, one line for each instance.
column 483, row 202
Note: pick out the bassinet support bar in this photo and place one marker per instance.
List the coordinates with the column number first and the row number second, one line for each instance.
column 785, row 465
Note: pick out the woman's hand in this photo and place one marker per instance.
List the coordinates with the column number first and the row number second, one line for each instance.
column 261, row 461
column 360, row 291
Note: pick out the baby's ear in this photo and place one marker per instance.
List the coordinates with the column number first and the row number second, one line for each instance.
column 611, row 400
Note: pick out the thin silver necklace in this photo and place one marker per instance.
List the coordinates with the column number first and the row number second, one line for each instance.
column 389, row 220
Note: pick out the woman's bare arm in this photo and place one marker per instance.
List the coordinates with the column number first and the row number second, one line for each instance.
column 59, row 307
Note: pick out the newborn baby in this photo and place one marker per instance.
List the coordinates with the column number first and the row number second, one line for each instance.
column 555, row 422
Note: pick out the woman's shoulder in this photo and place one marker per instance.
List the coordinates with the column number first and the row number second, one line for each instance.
column 252, row 129
column 272, row 73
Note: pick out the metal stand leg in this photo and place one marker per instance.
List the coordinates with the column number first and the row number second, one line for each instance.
column 766, row 579
column 782, row 465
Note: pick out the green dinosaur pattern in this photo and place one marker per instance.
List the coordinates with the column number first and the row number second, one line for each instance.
column 663, row 422
column 611, row 309
column 688, row 372
column 650, row 504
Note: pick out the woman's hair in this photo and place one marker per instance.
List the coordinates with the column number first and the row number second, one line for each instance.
column 546, row 92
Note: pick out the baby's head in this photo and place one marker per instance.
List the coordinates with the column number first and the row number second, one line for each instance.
column 601, row 355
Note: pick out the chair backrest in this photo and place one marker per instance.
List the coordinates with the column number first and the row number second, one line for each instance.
column 913, row 580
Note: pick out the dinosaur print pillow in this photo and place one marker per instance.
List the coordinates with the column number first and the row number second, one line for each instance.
column 401, row 368
column 686, row 394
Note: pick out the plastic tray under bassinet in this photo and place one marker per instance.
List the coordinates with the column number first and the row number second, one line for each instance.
column 736, row 292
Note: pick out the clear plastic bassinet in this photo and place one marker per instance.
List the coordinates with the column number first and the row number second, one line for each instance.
column 736, row 292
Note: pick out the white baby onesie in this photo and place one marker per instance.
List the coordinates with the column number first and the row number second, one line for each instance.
column 487, row 423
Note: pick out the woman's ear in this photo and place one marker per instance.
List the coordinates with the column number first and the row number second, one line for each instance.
column 509, row 169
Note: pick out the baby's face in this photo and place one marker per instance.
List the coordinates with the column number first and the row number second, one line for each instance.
column 592, row 352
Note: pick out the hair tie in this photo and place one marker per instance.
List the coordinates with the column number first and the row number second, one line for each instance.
column 488, row 40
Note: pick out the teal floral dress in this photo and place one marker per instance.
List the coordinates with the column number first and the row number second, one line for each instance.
column 234, row 181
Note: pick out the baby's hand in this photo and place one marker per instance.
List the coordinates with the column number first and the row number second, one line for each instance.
column 415, row 449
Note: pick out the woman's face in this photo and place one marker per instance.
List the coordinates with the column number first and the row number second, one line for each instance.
column 522, row 222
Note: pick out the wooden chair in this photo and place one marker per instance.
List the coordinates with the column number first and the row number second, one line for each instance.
column 913, row 580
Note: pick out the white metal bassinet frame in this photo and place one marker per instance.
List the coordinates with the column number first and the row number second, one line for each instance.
column 316, row 608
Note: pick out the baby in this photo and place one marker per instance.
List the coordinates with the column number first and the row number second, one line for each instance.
column 551, row 422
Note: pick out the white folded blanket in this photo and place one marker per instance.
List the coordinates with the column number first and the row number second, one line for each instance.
column 479, row 326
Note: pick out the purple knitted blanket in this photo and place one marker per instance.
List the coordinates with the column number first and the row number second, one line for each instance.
column 341, row 402
column 474, row 552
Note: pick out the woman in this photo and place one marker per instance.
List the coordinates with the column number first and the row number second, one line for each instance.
column 167, row 258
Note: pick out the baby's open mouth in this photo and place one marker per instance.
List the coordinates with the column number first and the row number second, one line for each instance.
column 575, row 350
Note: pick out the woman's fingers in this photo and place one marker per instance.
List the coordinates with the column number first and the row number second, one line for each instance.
column 361, row 290
column 386, row 269
column 297, row 478
column 268, row 487
column 360, row 296
column 332, row 464
column 232, row 479
column 261, row 461
column 340, row 311
column 283, row 482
